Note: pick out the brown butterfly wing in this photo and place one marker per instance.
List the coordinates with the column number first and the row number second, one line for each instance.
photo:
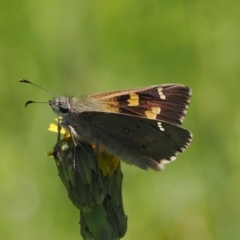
column 167, row 102
column 140, row 141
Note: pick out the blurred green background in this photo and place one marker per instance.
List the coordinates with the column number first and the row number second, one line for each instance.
column 86, row 47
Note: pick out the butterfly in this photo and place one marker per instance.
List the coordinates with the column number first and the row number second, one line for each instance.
column 140, row 126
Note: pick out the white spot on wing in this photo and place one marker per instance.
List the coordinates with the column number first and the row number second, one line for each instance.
column 160, row 126
column 162, row 163
column 161, row 95
column 172, row 158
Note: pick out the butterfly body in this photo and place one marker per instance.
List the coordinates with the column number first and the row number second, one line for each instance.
column 140, row 126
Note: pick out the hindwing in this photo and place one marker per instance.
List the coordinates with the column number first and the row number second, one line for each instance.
column 140, row 141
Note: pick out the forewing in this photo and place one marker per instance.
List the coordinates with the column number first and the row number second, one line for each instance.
column 140, row 141
column 167, row 102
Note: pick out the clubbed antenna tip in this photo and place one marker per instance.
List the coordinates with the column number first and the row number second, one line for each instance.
column 46, row 90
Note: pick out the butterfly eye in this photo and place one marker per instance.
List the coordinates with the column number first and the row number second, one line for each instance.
column 63, row 108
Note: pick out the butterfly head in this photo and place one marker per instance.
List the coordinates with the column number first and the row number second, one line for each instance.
column 60, row 105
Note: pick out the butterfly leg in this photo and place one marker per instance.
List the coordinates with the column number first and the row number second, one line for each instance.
column 74, row 153
column 71, row 131
column 56, row 150
column 59, row 131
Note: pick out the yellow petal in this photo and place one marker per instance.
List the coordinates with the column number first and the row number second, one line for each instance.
column 54, row 128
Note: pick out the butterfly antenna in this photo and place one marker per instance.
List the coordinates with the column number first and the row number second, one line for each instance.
column 46, row 90
column 29, row 102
